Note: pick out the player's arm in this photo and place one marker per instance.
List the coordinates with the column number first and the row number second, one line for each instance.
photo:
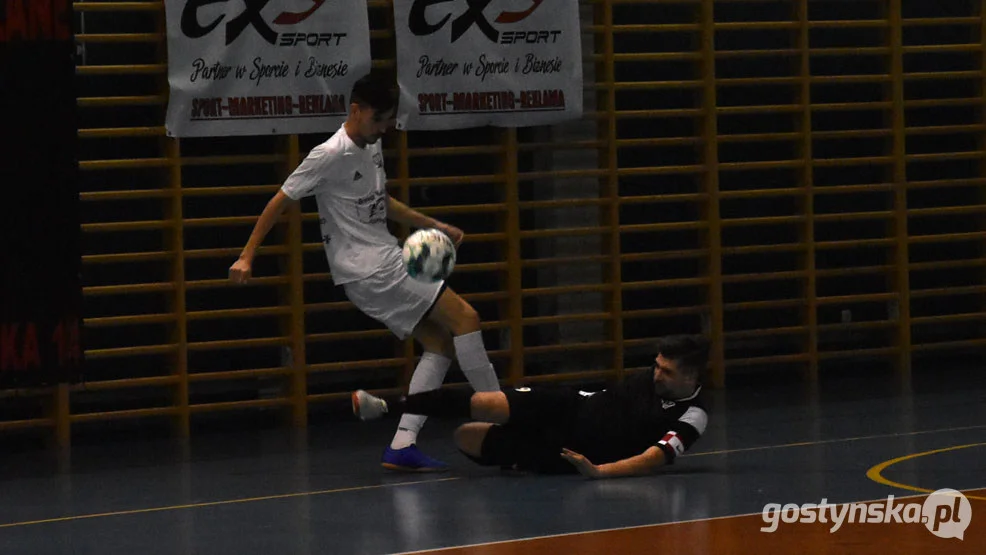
column 303, row 181
column 638, row 465
column 404, row 214
column 683, row 434
column 242, row 268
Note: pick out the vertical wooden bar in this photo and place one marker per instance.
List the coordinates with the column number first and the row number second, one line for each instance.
column 404, row 195
column 711, row 187
column 515, row 305
column 299, row 376
column 981, row 145
column 901, row 264
column 63, row 423
column 176, row 242
column 808, row 195
column 611, row 191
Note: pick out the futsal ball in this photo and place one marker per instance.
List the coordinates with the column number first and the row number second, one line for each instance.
column 429, row 255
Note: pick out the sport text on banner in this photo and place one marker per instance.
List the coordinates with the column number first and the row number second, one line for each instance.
column 252, row 67
column 470, row 63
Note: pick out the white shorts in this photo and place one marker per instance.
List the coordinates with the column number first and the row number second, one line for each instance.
column 393, row 298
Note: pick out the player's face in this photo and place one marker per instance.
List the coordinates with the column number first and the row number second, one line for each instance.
column 372, row 125
column 670, row 381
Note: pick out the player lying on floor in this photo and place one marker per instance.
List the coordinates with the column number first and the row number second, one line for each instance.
column 634, row 428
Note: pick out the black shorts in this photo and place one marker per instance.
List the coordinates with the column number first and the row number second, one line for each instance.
column 540, row 425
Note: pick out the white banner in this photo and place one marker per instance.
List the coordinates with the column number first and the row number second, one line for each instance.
column 252, row 67
column 470, row 63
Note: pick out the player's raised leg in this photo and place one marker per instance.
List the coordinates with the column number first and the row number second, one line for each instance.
column 454, row 314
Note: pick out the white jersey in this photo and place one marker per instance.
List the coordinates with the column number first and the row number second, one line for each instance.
column 349, row 184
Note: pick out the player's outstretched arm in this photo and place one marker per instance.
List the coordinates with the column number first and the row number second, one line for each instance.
column 638, row 465
column 404, row 214
column 240, row 271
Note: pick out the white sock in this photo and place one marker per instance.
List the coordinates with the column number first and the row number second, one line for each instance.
column 475, row 363
column 428, row 375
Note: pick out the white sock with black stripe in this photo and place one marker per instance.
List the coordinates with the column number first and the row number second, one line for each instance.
column 428, row 375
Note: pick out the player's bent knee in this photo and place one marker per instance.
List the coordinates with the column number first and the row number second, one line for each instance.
column 469, row 438
column 490, row 406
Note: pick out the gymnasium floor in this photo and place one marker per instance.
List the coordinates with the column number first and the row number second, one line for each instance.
column 321, row 491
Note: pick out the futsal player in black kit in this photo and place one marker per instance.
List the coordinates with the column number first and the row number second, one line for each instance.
column 634, row 428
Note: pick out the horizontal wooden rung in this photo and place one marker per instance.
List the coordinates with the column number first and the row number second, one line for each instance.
column 773, row 359
column 232, row 375
column 856, row 326
column 663, row 312
column 132, row 320
column 854, row 243
column 121, row 352
column 767, row 276
column 134, row 194
column 567, row 318
column 568, row 289
column 854, row 271
column 123, row 414
column 749, row 334
column 114, row 101
column 659, row 283
column 947, row 318
column 759, row 305
column 760, row 109
column 858, row 353
column 109, row 227
column 128, row 383
column 763, row 249
column 8, row 425
column 133, row 69
column 948, row 210
column 854, row 216
column 849, row 189
column 239, row 405
column 127, row 289
column 569, row 347
column 253, row 312
column 255, row 281
column 947, row 264
column 947, row 345
column 121, row 132
column 346, row 336
column 356, row 365
column 863, row 298
column 765, row 220
column 947, row 291
column 946, row 237
column 118, row 38
column 225, row 345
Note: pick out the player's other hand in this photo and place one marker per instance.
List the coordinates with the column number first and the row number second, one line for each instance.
column 240, row 271
column 454, row 233
column 584, row 466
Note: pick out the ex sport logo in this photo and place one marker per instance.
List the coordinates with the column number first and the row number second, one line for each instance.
column 192, row 28
column 421, row 21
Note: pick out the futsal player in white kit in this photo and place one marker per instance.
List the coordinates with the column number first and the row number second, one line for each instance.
column 347, row 178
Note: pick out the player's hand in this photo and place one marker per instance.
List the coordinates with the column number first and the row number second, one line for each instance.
column 240, row 271
column 454, row 233
column 584, row 466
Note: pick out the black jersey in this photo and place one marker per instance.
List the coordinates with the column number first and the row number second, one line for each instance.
column 631, row 417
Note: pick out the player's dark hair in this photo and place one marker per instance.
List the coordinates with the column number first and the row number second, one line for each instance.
column 689, row 352
column 375, row 90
